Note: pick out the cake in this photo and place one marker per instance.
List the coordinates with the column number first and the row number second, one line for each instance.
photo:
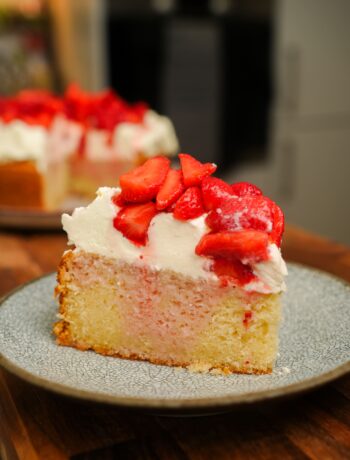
column 54, row 146
column 175, row 267
column 36, row 141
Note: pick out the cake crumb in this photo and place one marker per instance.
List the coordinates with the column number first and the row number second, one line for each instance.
column 199, row 367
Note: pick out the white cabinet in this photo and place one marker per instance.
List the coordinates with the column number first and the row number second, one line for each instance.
column 310, row 140
column 312, row 56
column 314, row 181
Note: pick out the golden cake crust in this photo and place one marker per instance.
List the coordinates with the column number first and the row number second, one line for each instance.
column 21, row 185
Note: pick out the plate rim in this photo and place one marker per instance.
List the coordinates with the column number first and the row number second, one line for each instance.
column 33, row 218
column 174, row 404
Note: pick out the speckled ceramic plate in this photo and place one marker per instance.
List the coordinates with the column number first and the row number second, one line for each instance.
column 45, row 220
column 315, row 348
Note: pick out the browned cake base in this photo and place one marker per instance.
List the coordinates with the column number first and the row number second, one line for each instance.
column 21, row 186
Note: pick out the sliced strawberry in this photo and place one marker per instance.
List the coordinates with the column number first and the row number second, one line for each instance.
column 171, row 189
column 215, row 191
column 246, row 212
column 245, row 188
column 250, row 245
column 171, row 208
column 189, row 205
column 133, row 221
column 278, row 225
column 143, row 183
column 232, row 270
column 118, row 200
column 193, row 170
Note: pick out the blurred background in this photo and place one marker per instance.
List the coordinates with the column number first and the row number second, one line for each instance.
column 261, row 87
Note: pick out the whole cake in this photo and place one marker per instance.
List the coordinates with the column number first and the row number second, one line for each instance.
column 175, row 267
column 52, row 146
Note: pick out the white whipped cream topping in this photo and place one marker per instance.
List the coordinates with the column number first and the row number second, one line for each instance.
column 64, row 138
column 171, row 243
column 156, row 135
column 23, row 142
column 97, row 145
column 270, row 273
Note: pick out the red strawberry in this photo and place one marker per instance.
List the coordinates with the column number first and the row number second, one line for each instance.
column 232, row 269
column 118, row 200
column 246, row 212
column 171, row 189
column 278, row 225
column 245, row 188
column 215, row 191
column 171, row 208
column 193, row 170
column 143, row 183
column 133, row 221
column 245, row 245
column 189, row 205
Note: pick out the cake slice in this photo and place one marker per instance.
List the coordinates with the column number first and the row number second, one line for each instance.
column 176, row 267
column 36, row 141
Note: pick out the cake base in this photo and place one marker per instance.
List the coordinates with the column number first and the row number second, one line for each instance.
column 23, row 186
column 134, row 312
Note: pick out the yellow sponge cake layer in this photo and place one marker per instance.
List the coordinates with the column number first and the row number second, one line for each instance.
column 133, row 311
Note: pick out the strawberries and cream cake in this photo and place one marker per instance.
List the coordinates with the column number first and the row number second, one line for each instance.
column 175, row 267
column 36, row 141
column 54, row 145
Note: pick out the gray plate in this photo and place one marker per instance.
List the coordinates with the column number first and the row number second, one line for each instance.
column 314, row 349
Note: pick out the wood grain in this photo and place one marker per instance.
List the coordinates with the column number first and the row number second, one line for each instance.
column 36, row 424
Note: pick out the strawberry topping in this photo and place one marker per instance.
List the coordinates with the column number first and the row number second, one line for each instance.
column 133, row 221
column 232, row 270
column 246, row 212
column 245, row 188
column 242, row 221
column 189, row 205
column 143, row 183
column 101, row 110
column 193, row 170
column 118, row 200
column 250, row 245
column 278, row 225
column 171, row 190
column 215, row 192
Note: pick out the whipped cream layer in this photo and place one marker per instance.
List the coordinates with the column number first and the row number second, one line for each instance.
column 155, row 136
column 171, row 243
column 23, row 142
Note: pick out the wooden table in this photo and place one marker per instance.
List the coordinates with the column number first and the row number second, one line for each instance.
column 35, row 424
